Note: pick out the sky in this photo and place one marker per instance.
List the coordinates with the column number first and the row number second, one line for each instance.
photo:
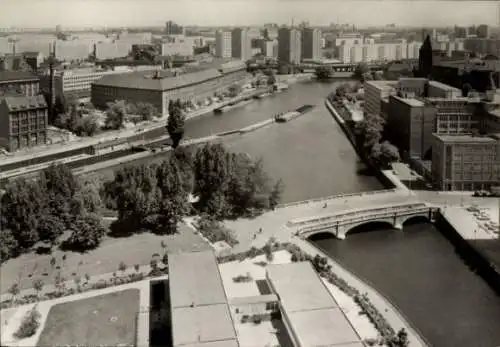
column 80, row 13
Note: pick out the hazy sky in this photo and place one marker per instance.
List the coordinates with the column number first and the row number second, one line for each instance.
column 74, row 13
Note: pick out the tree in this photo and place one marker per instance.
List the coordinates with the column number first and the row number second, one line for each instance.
column 323, row 73
column 8, row 245
column 21, row 206
column 14, row 291
column 89, row 193
column 271, row 80
column 50, row 228
column 234, row 90
column 115, row 115
column 38, row 286
column 401, row 339
column 87, row 233
column 383, row 154
column 175, row 123
column 146, row 110
column 89, row 126
column 122, row 267
column 137, row 267
column 165, row 259
column 172, row 196
column 369, row 131
column 276, row 194
column 360, row 70
column 78, row 282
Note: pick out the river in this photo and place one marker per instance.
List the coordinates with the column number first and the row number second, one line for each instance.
column 417, row 269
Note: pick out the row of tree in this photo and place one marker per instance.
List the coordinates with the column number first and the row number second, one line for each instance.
column 39, row 212
column 156, row 196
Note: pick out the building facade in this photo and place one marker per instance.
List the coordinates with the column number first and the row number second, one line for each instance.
column 19, row 83
column 111, row 50
column 375, row 91
column 289, row 46
column 23, row 122
column 241, row 44
column 72, row 50
column 185, row 49
column 223, row 43
column 158, row 90
column 311, row 43
column 466, row 162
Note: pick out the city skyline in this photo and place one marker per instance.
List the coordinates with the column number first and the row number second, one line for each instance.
column 87, row 13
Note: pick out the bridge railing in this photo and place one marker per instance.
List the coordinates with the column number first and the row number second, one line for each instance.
column 356, row 212
column 342, row 222
column 338, row 196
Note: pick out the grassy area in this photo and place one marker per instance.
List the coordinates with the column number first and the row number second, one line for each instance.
column 137, row 249
column 106, row 320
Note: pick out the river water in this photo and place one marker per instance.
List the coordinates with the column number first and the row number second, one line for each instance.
column 417, row 269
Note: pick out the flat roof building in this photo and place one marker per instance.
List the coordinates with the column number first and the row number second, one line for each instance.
column 223, row 44
column 310, row 313
column 199, row 308
column 375, row 91
column 289, row 45
column 311, row 43
column 241, row 44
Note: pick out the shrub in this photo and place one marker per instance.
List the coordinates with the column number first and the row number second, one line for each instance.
column 214, row 231
column 29, row 324
column 243, row 278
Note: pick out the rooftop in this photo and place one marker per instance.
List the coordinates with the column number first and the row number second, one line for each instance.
column 194, row 278
column 466, row 139
column 299, row 287
column 22, row 102
column 443, row 86
column 409, row 101
column 320, row 328
column 381, row 84
column 145, row 80
column 197, row 326
column 8, row 76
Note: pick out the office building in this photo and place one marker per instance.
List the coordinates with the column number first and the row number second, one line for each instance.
column 440, row 90
column 271, row 33
column 375, row 92
column 241, row 44
column 466, row 162
column 348, row 39
column 460, row 32
column 483, row 31
column 6, row 46
column 223, row 44
column 289, row 45
column 72, row 50
column 185, row 49
column 159, row 87
column 23, row 122
column 311, row 43
column 171, row 28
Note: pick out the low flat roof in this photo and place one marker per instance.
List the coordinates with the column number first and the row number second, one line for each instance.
column 194, row 278
column 229, row 343
column 465, row 139
column 409, row 101
column 299, row 287
column 320, row 328
column 382, row 84
column 443, row 86
column 197, row 326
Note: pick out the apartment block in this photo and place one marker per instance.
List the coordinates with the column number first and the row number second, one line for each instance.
column 289, row 45
column 72, row 50
column 223, row 43
column 311, row 43
column 18, row 83
column 466, row 162
column 269, row 48
column 454, row 116
column 483, row 46
column 185, row 49
column 241, row 44
column 112, row 50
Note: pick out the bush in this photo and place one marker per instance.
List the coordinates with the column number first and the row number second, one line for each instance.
column 29, row 324
column 214, row 231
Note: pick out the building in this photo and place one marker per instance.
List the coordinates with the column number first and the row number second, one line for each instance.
column 466, row 162
column 440, row 90
column 460, row 32
column 269, row 48
column 185, row 49
column 483, row 46
column 310, row 314
column 111, row 50
column 223, row 44
column 76, row 83
column 348, row 39
column 271, row 33
column 33, row 59
column 6, row 46
column 289, row 45
column 375, row 92
column 199, row 309
column 241, row 44
column 413, row 87
column 23, row 122
column 19, row 83
column 72, row 50
column 158, row 88
column 483, row 31
column 171, row 28
column 311, row 43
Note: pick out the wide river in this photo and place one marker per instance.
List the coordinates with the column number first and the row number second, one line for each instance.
column 418, row 269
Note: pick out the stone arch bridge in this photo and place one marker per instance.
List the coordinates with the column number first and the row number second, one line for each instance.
column 341, row 223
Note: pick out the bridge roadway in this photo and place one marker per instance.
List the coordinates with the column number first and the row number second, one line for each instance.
column 278, row 223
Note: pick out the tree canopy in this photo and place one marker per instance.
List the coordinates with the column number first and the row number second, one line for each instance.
column 175, row 122
column 116, row 115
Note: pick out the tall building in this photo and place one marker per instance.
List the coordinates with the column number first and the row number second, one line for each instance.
column 289, row 45
column 241, row 44
column 375, row 91
column 223, row 43
column 311, row 43
column 425, row 58
column 483, row 31
column 172, row 28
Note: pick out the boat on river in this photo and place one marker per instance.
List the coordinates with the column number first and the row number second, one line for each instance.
column 284, row 117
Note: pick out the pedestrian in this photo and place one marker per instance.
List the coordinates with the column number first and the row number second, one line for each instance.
column 260, row 230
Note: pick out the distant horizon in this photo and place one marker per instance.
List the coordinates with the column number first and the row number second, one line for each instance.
column 210, row 13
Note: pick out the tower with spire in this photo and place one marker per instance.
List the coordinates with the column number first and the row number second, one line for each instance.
column 425, row 58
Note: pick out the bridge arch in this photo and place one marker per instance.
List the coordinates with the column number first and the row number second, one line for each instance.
column 419, row 218
column 375, row 223
column 321, row 235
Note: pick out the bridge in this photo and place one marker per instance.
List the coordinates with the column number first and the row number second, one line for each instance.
column 339, row 224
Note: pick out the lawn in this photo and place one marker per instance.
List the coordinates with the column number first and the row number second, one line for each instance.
column 136, row 249
column 106, row 320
